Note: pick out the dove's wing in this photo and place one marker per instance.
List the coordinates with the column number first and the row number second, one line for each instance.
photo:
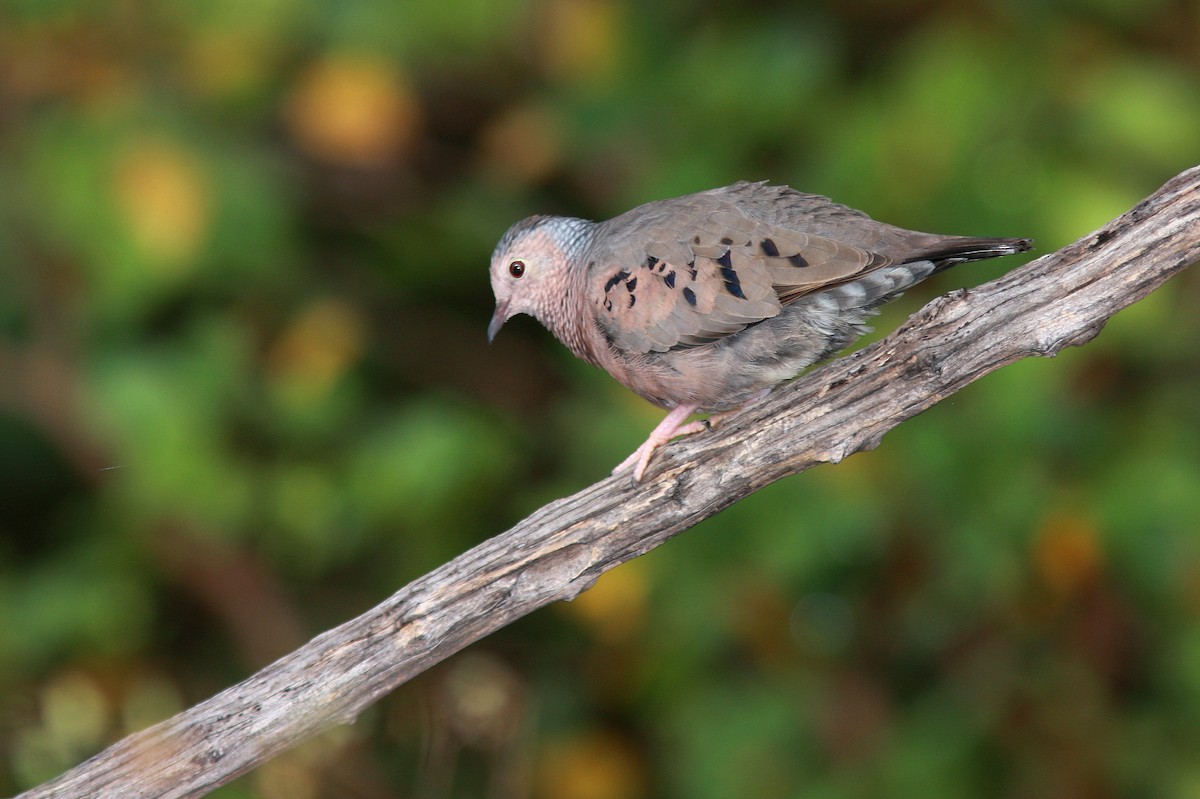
column 690, row 271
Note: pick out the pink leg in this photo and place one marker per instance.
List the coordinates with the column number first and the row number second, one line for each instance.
column 667, row 429
column 672, row 426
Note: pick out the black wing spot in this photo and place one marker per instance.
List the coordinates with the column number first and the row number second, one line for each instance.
column 670, row 279
column 651, row 261
column 608, row 305
column 797, row 260
column 726, row 240
column 631, row 284
column 691, row 267
column 769, row 248
column 614, row 280
column 690, row 296
column 632, row 299
column 732, row 284
column 695, row 239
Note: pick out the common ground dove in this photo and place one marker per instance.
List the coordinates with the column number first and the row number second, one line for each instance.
column 708, row 301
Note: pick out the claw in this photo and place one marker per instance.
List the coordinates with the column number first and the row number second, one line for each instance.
column 670, row 427
column 673, row 426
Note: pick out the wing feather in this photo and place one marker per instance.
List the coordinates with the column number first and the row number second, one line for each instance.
column 703, row 270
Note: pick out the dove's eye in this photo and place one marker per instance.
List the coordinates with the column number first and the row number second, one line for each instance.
column 516, row 268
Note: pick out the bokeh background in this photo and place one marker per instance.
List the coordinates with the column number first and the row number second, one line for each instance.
column 245, row 394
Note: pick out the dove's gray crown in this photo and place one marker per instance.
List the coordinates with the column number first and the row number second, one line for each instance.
column 571, row 233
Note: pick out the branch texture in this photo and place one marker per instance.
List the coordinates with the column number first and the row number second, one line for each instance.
column 1059, row 300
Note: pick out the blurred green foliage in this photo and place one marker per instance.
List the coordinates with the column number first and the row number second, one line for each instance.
column 245, row 394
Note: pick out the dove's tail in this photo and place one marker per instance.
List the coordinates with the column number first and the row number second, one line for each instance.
column 817, row 326
column 857, row 300
column 876, row 287
column 954, row 250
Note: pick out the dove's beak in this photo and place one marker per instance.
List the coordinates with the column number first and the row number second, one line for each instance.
column 498, row 320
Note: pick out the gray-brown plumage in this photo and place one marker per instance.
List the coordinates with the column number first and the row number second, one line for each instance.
column 706, row 302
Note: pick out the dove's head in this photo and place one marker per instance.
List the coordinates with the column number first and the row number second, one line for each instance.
column 531, row 268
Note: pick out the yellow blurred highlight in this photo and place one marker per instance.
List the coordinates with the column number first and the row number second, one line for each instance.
column 299, row 772
column 483, row 699
column 75, row 711
column 615, row 607
column 285, row 778
column 76, row 715
column 353, row 110
column 595, row 765
column 150, row 699
column 224, row 61
column 164, row 200
column 578, row 38
column 1067, row 555
column 524, row 144
column 316, row 349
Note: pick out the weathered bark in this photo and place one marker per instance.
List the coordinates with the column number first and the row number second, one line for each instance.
column 846, row 406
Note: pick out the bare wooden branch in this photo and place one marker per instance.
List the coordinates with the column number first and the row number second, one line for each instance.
column 846, row 406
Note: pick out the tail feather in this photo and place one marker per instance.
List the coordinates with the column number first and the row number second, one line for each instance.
column 873, row 289
column 957, row 250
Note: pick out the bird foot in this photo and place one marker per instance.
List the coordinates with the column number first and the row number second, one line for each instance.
column 670, row 427
column 673, row 426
